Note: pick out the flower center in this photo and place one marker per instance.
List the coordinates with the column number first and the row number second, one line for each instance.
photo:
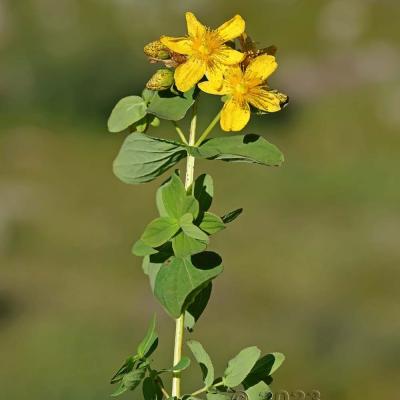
column 241, row 88
column 206, row 45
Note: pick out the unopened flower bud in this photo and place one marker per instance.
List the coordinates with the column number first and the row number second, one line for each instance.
column 157, row 50
column 163, row 79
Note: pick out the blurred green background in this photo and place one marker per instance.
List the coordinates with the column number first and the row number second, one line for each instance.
column 312, row 266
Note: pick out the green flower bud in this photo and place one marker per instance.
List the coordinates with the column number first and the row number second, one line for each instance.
column 163, row 79
column 157, row 50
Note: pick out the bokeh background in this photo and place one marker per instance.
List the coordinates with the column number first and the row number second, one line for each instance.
column 312, row 268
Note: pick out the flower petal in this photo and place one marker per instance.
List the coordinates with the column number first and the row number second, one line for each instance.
column 235, row 115
column 264, row 100
column 189, row 73
column 232, row 29
column 261, row 67
column 213, row 87
column 181, row 45
column 228, row 56
column 215, row 74
column 194, row 26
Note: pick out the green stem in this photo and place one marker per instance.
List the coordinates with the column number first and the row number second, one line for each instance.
column 180, row 322
column 205, row 389
column 207, row 131
column 164, row 392
column 180, row 133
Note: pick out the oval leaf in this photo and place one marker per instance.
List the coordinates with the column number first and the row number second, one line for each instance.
column 182, row 364
column 240, row 366
column 248, row 148
column 184, row 245
column 176, row 281
column 263, row 368
column 143, row 158
column 258, row 392
column 167, row 105
column 173, row 201
column 204, row 361
column 128, row 110
column 159, row 231
column 211, row 223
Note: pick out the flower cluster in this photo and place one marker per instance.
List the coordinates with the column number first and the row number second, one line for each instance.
column 207, row 57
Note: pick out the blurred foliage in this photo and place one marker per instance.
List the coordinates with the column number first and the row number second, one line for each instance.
column 324, row 282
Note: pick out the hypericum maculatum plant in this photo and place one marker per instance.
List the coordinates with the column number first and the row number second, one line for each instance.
column 223, row 62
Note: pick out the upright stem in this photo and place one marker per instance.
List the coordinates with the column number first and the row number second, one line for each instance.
column 180, row 322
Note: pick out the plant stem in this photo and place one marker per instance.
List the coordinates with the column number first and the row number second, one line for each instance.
column 204, row 389
column 180, row 322
column 180, row 133
column 164, row 392
column 207, row 131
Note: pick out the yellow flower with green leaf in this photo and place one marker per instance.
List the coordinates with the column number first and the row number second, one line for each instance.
column 205, row 50
column 244, row 88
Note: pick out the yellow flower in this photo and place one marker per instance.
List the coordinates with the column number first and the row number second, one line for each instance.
column 245, row 88
column 206, row 51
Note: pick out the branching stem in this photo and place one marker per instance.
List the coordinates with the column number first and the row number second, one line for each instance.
column 207, row 131
column 180, row 133
column 205, row 389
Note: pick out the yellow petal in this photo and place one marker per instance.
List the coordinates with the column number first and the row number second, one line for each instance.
column 189, row 73
column 232, row 29
column 181, row 45
column 261, row 67
column 194, row 26
column 264, row 100
column 228, row 56
column 215, row 72
column 213, row 88
column 235, row 115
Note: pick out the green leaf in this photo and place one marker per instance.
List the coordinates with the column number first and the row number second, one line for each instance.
column 149, row 343
column 151, row 270
column 167, row 105
column 152, row 264
column 159, row 231
column 259, row 391
column 204, row 361
column 191, row 230
column 143, row 158
column 141, row 249
column 120, row 390
column 173, row 201
column 248, row 148
column 182, row 364
column 211, row 223
column 263, row 368
column 151, row 391
column 231, row 216
column 197, row 306
column 127, row 111
column 132, row 379
column 128, row 366
column 240, row 366
column 204, row 191
column 182, row 277
column 183, row 245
